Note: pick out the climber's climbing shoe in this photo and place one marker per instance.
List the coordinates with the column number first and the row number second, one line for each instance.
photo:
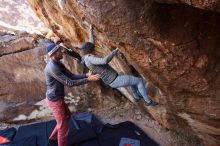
column 151, row 103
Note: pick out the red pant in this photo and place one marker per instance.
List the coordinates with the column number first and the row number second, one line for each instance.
column 62, row 115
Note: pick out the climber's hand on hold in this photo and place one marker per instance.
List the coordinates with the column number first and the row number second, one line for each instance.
column 115, row 51
column 90, row 27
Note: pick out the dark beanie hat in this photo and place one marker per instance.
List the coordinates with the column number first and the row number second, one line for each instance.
column 51, row 48
column 87, row 47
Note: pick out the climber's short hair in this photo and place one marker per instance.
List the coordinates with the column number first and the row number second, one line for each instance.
column 87, row 47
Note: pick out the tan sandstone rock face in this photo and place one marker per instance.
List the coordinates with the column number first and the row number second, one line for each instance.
column 22, row 81
column 17, row 15
column 173, row 47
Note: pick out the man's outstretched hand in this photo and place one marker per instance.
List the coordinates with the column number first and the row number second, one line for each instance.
column 91, row 77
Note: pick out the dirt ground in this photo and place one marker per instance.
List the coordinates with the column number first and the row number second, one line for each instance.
column 128, row 112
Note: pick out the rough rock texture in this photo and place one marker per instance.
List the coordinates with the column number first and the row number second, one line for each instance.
column 213, row 5
column 173, row 47
column 21, row 73
column 17, row 15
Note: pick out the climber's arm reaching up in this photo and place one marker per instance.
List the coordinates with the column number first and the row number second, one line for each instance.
column 91, row 36
column 101, row 61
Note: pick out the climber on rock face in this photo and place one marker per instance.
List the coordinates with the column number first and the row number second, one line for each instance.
column 57, row 76
column 100, row 65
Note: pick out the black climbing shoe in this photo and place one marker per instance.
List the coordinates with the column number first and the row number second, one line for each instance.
column 151, row 103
